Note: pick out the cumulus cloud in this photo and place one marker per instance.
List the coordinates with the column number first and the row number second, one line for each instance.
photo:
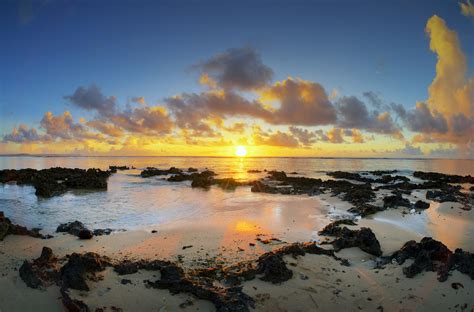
column 448, row 115
column 356, row 135
column 105, row 127
column 193, row 111
column 92, row 99
column 24, row 135
column 64, row 127
column 238, row 68
column 279, row 138
column 467, row 8
column 301, row 102
column 303, row 135
column 353, row 113
column 421, row 119
column 144, row 120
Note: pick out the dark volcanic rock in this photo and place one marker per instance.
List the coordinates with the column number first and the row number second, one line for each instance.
column 85, row 234
column 7, row 228
column 464, row 262
column 117, row 168
column 334, row 229
column 363, row 238
column 73, row 273
column 441, row 196
column 55, row 181
column 42, row 271
column 273, row 268
column 73, row 305
column 428, row 255
column 150, row 172
column 421, row 205
column 394, row 201
column 73, row 228
column 443, row 178
column 365, row 209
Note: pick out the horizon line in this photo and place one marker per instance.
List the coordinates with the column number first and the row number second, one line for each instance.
column 221, row 156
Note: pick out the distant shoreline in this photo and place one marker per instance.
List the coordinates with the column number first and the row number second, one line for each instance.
column 198, row 156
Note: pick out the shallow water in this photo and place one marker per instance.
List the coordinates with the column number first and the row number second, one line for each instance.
column 132, row 202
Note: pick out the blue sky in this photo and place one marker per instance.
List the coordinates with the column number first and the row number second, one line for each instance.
column 146, row 48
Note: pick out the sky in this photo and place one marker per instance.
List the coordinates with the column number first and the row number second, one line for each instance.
column 281, row 78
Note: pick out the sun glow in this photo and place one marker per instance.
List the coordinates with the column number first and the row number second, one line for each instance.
column 240, row 151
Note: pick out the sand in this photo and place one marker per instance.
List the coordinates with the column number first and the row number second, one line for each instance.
column 319, row 282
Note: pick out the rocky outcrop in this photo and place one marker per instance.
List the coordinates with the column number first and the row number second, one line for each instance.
column 78, row 229
column 8, row 228
column 151, row 172
column 55, row 181
column 363, row 238
column 432, row 255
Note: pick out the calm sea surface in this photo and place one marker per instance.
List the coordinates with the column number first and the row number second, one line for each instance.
column 132, row 202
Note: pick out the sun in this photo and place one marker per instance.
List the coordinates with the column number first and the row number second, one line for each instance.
column 240, row 151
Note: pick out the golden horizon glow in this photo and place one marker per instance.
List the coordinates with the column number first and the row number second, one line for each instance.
column 240, row 151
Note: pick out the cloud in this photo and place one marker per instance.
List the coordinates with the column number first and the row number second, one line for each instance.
column 301, row 102
column 467, row 8
column 353, row 113
column 335, row 135
column 421, row 119
column 145, row 120
column 448, row 114
column 356, row 135
column 139, row 100
column 373, row 99
column 194, row 111
column 106, row 128
column 238, row 68
column 304, row 136
column 24, row 135
column 91, row 99
column 279, row 138
column 64, row 127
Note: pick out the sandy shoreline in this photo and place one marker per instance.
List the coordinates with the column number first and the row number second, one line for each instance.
column 250, row 231
column 318, row 281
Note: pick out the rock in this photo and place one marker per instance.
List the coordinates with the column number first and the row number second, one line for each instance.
column 7, row 228
column 428, row 255
column 395, row 201
column 150, row 172
column 421, row 205
column 28, row 275
column 116, row 168
column 334, row 229
column 464, row 262
column 441, row 196
column 457, row 285
column 55, row 181
column 85, row 234
column 443, row 178
column 273, row 268
column 363, row 238
column 73, row 228
column 191, row 169
column 100, row 232
column 365, row 209
column 201, row 182
column 42, row 271
column 125, row 281
column 254, row 171
column 73, row 305
column 277, row 175
column 73, row 273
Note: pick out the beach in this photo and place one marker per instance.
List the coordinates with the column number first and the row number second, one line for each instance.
column 221, row 227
